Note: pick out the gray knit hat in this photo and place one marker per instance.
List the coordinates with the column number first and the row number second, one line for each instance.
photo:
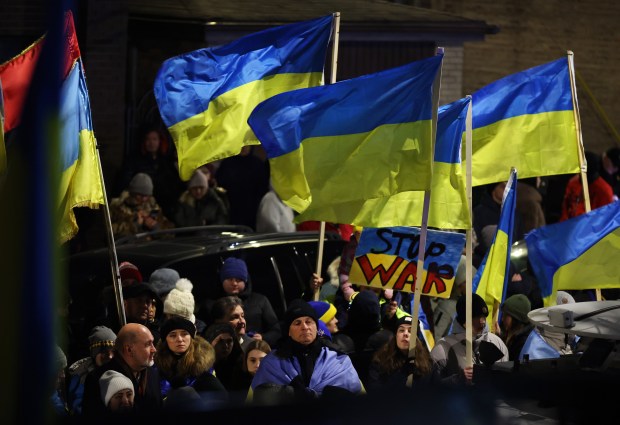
column 163, row 280
column 198, row 180
column 101, row 338
column 141, row 184
column 112, row 382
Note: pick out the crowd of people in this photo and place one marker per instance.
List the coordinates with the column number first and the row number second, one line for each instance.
column 177, row 354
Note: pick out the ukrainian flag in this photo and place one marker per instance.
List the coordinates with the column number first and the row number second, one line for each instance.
column 525, row 121
column 206, row 96
column 338, row 153
column 580, row 253
column 492, row 276
column 448, row 204
column 80, row 184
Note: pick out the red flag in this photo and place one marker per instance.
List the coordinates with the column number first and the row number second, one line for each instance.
column 16, row 73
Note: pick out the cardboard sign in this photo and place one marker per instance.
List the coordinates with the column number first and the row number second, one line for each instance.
column 387, row 258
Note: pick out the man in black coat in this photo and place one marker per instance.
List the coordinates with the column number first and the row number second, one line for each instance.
column 133, row 357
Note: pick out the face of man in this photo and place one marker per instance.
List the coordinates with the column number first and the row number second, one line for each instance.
column 137, row 308
column 141, row 352
column 122, row 401
column 237, row 320
column 178, row 341
column 233, row 286
column 254, row 358
column 403, row 334
column 198, row 192
column 303, row 330
column 506, row 324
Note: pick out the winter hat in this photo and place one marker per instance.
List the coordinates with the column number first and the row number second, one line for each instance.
column 141, row 184
column 101, row 338
column 164, row 280
column 137, row 289
column 478, row 307
column 404, row 320
column 488, row 233
column 322, row 331
column 234, row 268
column 112, row 382
column 177, row 323
column 180, row 301
column 324, row 310
column 517, row 306
column 365, row 311
column 298, row 308
column 129, row 271
column 564, row 297
column 198, row 180
column 216, row 329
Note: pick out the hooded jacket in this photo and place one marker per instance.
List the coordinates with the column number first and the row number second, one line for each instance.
column 449, row 351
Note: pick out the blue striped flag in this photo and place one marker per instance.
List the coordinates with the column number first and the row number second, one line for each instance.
column 206, row 96
column 338, row 153
column 492, row 276
column 526, row 121
column 580, row 253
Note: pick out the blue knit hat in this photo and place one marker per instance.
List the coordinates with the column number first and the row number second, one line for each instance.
column 234, row 268
column 324, row 310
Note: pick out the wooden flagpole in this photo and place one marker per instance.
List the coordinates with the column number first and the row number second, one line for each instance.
column 582, row 161
column 332, row 80
column 423, row 229
column 469, row 239
column 116, row 274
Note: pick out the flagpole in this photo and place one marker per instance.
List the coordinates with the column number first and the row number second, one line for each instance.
column 116, row 275
column 583, row 166
column 469, row 240
column 332, row 80
column 424, row 228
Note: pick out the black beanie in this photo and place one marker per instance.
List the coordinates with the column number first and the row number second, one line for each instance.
column 298, row 308
column 478, row 308
column 177, row 323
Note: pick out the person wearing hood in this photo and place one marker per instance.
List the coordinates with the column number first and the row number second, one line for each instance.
column 200, row 205
column 186, row 359
column 449, row 352
column 303, row 367
column 101, row 345
column 515, row 325
column 261, row 320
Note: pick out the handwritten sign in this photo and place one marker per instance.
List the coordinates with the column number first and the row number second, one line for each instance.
column 387, row 258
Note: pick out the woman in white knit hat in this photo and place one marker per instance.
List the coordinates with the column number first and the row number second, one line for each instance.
column 117, row 391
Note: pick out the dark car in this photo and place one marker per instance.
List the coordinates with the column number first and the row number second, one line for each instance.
column 279, row 264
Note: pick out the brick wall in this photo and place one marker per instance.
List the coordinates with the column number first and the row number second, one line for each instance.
column 535, row 32
column 105, row 60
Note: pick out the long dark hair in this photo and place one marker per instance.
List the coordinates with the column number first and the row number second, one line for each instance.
column 389, row 358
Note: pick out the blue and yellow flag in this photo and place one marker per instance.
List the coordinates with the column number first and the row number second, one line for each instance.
column 525, row 121
column 80, row 184
column 338, row 153
column 448, row 204
column 492, row 276
column 580, row 253
column 206, row 96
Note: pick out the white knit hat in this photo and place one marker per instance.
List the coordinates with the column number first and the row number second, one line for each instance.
column 180, row 301
column 112, row 382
